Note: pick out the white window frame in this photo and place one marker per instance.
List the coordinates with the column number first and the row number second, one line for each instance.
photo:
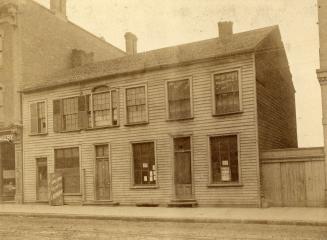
column 92, row 108
column 46, row 116
column 146, row 104
column 224, row 184
column 132, row 180
column 190, row 80
column 213, row 97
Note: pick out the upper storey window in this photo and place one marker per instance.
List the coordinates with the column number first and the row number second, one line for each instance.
column 179, row 99
column 38, row 118
column 103, row 107
column 226, row 88
column 136, row 105
column 2, row 113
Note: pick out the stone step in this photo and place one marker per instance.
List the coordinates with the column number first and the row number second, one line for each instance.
column 186, row 204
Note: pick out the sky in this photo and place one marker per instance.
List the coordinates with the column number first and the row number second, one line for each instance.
column 165, row 23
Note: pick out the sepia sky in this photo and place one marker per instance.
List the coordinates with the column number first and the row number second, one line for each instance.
column 160, row 24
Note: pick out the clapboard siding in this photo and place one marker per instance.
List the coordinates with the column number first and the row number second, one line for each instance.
column 159, row 130
column 276, row 102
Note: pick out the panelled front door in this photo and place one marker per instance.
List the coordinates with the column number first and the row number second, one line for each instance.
column 42, row 179
column 183, row 168
column 102, row 173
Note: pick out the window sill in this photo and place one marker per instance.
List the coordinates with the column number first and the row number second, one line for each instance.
column 72, row 194
column 101, row 127
column 145, row 187
column 70, row 131
column 225, row 185
column 179, row 119
column 137, row 123
column 226, row 114
column 38, row 134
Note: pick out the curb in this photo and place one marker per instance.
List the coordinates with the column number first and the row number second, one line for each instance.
column 167, row 219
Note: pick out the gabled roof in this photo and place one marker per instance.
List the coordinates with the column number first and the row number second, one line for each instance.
column 206, row 49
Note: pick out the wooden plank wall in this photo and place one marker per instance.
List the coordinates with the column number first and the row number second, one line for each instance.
column 293, row 178
column 161, row 131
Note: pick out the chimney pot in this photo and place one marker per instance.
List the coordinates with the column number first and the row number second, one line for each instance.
column 58, row 7
column 225, row 29
column 131, row 43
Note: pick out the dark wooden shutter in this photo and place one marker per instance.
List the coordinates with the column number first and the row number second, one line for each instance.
column 57, row 116
column 83, row 113
column 34, row 118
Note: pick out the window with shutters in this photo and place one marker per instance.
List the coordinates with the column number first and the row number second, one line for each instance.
column 179, row 105
column 144, row 164
column 103, row 107
column 38, row 118
column 224, row 160
column 226, row 89
column 70, row 114
column 2, row 113
column 136, row 105
column 67, row 164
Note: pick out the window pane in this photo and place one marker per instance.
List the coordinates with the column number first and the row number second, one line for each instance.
column 226, row 92
column 67, row 163
column 136, row 105
column 70, row 113
column 179, row 104
column 224, row 159
column 41, row 119
column 144, row 163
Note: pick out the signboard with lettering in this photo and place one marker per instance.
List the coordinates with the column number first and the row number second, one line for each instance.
column 225, row 174
column 56, row 190
column 7, row 138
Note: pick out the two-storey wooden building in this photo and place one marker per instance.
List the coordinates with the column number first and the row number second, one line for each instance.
column 35, row 42
column 178, row 124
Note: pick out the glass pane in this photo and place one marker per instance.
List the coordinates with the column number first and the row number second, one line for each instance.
column 182, row 144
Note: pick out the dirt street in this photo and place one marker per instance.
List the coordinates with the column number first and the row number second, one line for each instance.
column 36, row 228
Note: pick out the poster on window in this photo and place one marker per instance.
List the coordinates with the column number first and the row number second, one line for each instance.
column 225, row 174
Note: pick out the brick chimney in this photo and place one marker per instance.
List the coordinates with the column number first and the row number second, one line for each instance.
column 80, row 58
column 58, row 7
column 225, row 30
column 131, row 43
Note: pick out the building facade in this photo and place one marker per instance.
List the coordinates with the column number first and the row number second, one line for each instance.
column 35, row 42
column 322, row 72
column 177, row 125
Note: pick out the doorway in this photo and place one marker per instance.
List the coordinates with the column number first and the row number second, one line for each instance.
column 183, row 168
column 41, row 180
column 7, row 171
column 102, row 172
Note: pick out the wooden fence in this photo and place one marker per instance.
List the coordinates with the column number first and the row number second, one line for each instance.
column 293, row 177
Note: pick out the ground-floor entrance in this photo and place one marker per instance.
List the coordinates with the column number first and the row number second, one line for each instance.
column 183, row 168
column 7, row 171
column 102, row 173
column 42, row 179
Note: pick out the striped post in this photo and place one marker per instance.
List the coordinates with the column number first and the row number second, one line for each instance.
column 56, row 190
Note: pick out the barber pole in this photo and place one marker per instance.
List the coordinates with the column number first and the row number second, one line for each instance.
column 56, row 190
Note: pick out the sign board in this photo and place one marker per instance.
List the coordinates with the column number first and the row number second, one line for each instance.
column 7, row 138
column 56, row 197
column 225, row 174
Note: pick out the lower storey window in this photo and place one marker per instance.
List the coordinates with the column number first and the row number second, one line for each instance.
column 144, row 163
column 224, row 159
column 67, row 164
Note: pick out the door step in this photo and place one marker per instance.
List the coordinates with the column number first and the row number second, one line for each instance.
column 101, row 203
column 183, row 203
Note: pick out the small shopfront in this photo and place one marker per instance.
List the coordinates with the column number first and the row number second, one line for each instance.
column 7, row 167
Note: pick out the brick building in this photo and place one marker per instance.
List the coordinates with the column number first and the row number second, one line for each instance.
column 178, row 125
column 35, row 42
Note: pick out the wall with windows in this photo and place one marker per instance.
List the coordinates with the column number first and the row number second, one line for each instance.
column 205, row 111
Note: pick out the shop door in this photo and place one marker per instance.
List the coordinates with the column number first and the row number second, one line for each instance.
column 183, row 169
column 7, row 171
column 42, row 179
column 102, row 173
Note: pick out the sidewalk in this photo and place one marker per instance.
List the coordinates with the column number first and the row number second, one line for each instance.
column 293, row 216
